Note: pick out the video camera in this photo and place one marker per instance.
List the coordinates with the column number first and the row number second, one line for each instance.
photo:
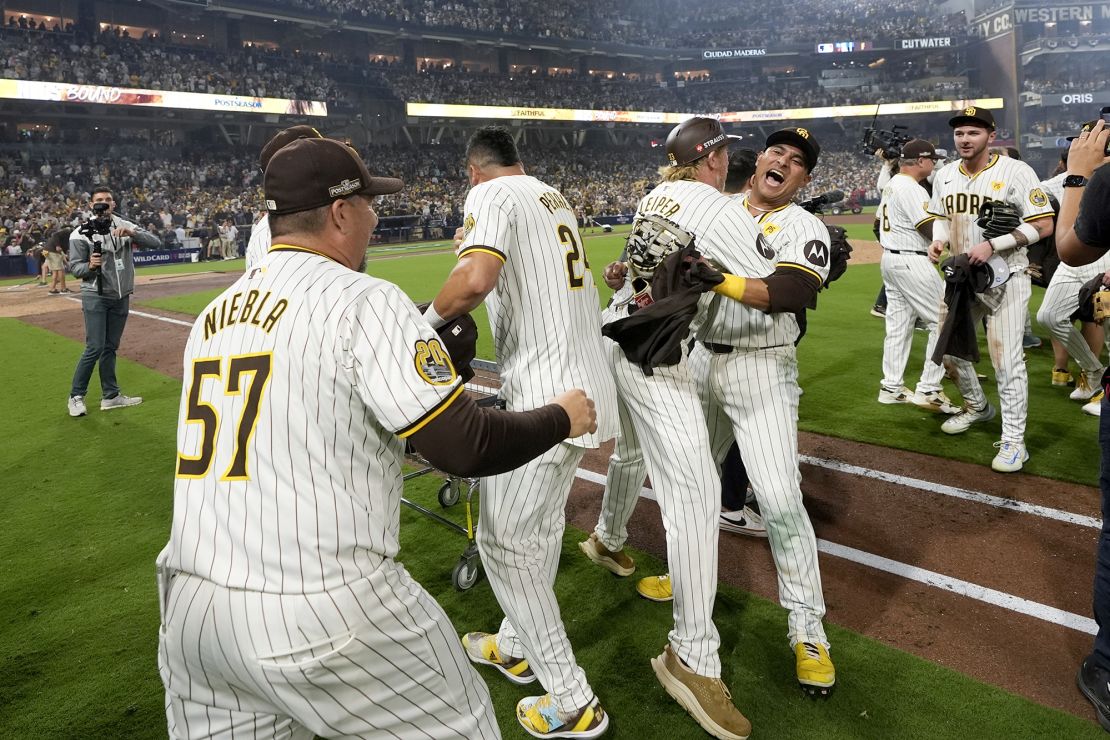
column 890, row 142
column 101, row 222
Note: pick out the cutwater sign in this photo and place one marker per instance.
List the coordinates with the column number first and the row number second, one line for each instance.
column 936, row 43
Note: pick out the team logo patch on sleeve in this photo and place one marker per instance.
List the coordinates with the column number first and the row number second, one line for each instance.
column 1038, row 198
column 763, row 247
column 817, row 253
column 432, row 362
column 468, row 223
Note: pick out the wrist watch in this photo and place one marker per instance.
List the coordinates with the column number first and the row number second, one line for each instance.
column 1075, row 181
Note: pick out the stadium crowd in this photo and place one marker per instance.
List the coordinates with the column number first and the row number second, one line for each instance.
column 111, row 59
column 703, row 23
column 708, row 94
column 201, row 189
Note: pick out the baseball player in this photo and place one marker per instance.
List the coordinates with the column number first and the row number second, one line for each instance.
column 1061, row 300
column 663, row 430
column 746, row 369
column 283, row 612
column 258, row 244
column 520, row 252
column 913, row 287
column 959, row 189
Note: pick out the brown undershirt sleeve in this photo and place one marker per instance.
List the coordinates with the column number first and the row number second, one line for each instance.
column 791, row 290
column 472, row 441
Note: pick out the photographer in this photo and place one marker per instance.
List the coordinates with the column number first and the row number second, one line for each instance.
column 1083, row 235
column 101, row 254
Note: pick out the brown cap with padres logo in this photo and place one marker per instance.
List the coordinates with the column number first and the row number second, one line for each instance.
column 917, row 148
column 693, row 139
column 972, row 116
column 283, row 137
column 310, row 173
column 800, row 138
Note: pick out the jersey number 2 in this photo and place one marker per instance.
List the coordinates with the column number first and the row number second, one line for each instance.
column 575, row 276
column 199, row 412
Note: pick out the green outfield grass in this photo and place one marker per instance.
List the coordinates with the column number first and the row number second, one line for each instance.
column 87, row 507
column 840, row 368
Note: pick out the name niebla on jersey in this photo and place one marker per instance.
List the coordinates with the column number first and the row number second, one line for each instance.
column 234, row 310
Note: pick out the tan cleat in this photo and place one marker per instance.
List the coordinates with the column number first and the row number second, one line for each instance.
column 816, row 672
column 706, row 699
column 616, row 562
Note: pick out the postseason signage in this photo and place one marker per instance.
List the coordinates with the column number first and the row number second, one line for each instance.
column 62, row 92
column 999, row 22
column 937, row 43
column 733, row 53
column 438, row 110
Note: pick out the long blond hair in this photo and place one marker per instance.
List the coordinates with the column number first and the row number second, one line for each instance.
column 680, row 172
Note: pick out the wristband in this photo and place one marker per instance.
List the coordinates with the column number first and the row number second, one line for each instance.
column 434, row 318
column 940, row 230
column 1006, row 241
column 732, row 287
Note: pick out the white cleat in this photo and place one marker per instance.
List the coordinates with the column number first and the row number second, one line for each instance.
column 936, row 402
column 901, row 395
column 1011, row 456
column 744, row 521
column 1087, row 385
column 962, row 421
column 1094, row 406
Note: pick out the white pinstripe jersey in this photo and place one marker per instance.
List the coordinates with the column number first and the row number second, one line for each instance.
column 300, row 380
column 957, row 196
column 259, row 243
column 904, row 207
column 1055, row 187
column 788, row 237
column 544, row 311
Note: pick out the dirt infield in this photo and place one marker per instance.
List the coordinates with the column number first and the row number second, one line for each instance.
column 894, row 523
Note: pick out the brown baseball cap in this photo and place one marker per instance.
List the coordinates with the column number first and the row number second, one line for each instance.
column 973, row 116
column 800, row 138
column 693, row 139
column 283, row 137
column 310, row 173
column 917, row 148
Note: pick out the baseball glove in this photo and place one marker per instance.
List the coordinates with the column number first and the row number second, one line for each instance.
column 1101, row 301
column 840, row 251
column 997, row 218
column 460, row 339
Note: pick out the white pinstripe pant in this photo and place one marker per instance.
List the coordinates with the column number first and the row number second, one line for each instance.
column 663, row 434
column 378, row 658
column 1005, row 331
column 752, row 396
column 520, row 533
column 1061, row 300
column 913, row 290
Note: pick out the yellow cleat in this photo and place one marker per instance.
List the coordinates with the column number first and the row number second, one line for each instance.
column 481, row 648
column 540, row 718
column 1062, row 378
column 815, row 668
column 656, row 588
